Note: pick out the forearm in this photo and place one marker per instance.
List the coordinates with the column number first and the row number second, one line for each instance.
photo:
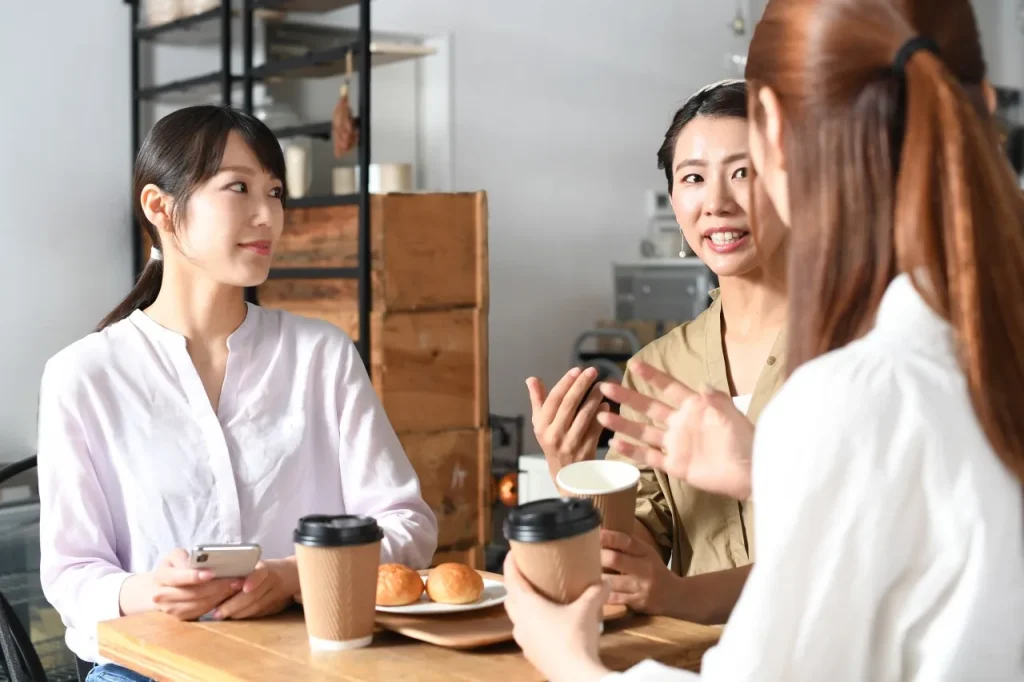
column 708, row 598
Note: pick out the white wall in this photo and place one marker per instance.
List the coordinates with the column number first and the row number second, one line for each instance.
column 558, row 109
column 64, row 184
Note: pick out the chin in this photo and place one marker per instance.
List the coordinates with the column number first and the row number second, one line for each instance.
column 732, row 264
column 250, row 277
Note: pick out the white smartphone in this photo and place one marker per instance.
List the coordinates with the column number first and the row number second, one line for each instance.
column 226, row 561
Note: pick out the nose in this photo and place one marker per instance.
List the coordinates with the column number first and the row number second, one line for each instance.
column 718, row 197
column 264, row 211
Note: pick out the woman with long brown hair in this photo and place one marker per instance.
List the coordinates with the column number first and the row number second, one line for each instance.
column 887, row 473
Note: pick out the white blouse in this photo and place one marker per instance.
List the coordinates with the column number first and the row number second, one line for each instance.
column 134, row 462
column 890, row 539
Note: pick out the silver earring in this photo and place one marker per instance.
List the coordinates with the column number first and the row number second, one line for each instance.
column 682, row 254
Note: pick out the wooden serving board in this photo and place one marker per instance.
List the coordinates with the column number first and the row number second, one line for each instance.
column 468, row 629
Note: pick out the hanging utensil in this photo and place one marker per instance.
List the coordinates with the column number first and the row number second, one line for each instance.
column 344, row 126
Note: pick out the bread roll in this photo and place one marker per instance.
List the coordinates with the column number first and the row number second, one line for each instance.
column 398, row 585
column 454, row 584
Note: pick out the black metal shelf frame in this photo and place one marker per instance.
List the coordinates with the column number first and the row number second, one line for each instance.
column 226, row 81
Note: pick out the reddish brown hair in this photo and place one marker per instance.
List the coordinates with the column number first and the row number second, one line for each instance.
column 891, row 173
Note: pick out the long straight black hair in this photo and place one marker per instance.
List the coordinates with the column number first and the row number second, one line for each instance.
column 182, row 151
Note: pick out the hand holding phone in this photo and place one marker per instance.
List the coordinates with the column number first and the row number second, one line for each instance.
column 225, row 561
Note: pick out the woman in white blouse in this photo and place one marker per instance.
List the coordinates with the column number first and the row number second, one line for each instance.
column 887, row 473
column 192, row 417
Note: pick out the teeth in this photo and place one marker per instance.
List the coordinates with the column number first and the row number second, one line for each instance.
column 725, row 237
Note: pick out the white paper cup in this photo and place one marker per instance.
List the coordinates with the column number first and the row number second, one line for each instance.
column 611, row 485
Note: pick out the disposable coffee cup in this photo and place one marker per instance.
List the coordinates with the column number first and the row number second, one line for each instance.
column 556, row 545
column 611, row 485
column 338, row 558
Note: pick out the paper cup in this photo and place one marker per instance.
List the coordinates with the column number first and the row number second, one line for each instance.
column 609, row 484
column 338, row 558
column 557, row 546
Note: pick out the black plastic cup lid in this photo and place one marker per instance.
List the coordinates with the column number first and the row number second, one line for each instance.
column 337, row 531
column 554, row 519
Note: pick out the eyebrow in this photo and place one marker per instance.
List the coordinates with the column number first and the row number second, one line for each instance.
column 245, row 170
column 702, row 163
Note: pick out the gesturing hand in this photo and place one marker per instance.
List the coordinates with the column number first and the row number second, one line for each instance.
column 269, row 589
column 184, row 592
column 567, row 432
column 642, row 578
column 697, row 437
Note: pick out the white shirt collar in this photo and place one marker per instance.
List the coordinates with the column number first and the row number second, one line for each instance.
column 905, row 316
column 148, row 326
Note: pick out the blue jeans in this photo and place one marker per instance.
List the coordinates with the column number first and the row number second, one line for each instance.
column 114, row 673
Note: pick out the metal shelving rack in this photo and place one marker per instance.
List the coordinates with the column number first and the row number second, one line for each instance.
column 325, row 62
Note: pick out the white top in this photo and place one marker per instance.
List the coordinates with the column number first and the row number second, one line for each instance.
column 890, row 539
column 742, row 402
column 134, row 462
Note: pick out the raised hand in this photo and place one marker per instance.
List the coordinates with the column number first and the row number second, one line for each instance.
column 698, row 437
column 566, row 430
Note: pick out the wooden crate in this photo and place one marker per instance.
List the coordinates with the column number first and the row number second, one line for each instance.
column 428, row 251
column 454, row 468
column 472, row 557
column 429, row 368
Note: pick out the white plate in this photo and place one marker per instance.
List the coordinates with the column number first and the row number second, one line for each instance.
column 494, row 593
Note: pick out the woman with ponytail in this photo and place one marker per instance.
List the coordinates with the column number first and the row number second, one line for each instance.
column 191, row 417
column 887, row 472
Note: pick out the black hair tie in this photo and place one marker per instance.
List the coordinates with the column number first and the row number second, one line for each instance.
column 907, row 50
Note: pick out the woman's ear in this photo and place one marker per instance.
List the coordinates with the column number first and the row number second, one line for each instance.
column 771, row 112
column 158, row 208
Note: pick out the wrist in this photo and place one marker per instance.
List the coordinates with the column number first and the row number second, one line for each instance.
column 136, row 595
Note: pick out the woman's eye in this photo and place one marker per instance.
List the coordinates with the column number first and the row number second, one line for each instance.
column 238, row 187
column 277, row 192
column 691, row 179
column 741, row 174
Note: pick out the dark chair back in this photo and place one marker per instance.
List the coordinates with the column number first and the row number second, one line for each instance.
column 17, row 655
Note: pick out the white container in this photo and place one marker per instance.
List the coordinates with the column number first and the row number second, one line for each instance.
column 298, row 170
column 163, row 11
column 190, row 7
column 388, row 177
column 343, row 180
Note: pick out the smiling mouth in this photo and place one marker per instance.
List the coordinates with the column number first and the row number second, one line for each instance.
column 726, row 240
column 260, row 247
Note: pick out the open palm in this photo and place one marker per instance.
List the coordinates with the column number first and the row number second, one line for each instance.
column 698, row 437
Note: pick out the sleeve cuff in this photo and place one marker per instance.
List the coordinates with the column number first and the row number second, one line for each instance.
column 106, row 596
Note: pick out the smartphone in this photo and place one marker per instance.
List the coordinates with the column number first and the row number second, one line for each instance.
column 226, row 561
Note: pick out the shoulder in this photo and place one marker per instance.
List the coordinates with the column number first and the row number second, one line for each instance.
column 682, row 351
column 89, row 359
column 307, row 335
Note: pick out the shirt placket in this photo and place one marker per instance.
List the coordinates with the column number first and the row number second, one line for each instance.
column 229, row 521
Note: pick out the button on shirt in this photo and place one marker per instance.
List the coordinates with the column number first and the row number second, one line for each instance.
column 134, row 461
column 890, row 536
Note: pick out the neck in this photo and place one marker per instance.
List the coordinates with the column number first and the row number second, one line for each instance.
column 202, row 311
column 754, row 302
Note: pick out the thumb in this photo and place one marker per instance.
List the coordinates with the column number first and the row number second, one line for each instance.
column 591, row 602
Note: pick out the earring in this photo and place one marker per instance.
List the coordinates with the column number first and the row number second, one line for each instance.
column 682, row 254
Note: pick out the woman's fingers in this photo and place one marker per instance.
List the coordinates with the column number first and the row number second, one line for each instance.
column 655, row 410
column 644, row 433
column 584, row 422
column 641, row 454
column 668, row 389
column 554, row 399
column 571, row 402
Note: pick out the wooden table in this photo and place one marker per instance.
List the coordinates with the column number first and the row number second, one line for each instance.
column 166, row 649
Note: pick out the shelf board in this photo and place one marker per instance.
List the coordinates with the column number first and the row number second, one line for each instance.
column 187, row 90
column 313, row 273
column 319, row 202
column 195, row 29
column 331, row 62
column 320, row 130
column 317, row 6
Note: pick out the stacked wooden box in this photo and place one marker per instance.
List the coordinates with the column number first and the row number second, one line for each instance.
column 428, row 336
